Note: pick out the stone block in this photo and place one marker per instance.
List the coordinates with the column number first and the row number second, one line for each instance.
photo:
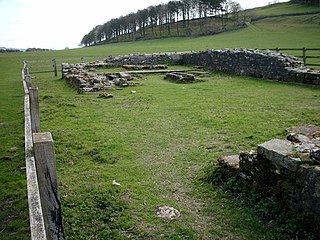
column 279, row 153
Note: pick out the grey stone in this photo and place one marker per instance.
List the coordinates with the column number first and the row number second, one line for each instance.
column 279, row 153
column 311, row 191
column 315, row 155
column 168, row 212
column 305, row 147
column 297, row 138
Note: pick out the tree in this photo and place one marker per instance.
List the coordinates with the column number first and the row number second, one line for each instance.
column 235, row 8
column 143, row 16
column 153, row 16
column 213, row 4
column 166, row 16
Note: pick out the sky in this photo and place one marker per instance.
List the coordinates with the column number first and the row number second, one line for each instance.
column 61, row 24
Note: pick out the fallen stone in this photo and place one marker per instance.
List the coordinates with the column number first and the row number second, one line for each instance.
column 297, row 138
column 105, row 95
column 168, row 212
column 181, row 77
column 125, row 75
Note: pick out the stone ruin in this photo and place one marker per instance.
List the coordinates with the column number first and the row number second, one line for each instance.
column 181, row 77
column 79, row 76
column 247, row 62
column 287, row 171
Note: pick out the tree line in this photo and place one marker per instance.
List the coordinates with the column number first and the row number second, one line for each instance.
column 163, row 19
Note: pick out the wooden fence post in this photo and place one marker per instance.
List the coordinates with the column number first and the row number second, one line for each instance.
column 48, row 185
column 37, row 226
column 304, row 56
column 54, row 62
column 28, row 81
column 25, row 68
column 34, row 109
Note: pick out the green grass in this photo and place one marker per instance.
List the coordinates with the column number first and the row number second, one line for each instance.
column 283, row 8
column 13, row 195
column 155, row 142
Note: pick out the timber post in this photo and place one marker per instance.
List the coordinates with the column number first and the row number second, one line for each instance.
column 54, row 64
column 48, row 185
column 304, row 56
column 34, row 109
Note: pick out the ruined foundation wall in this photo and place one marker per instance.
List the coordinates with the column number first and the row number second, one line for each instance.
column 246, row 62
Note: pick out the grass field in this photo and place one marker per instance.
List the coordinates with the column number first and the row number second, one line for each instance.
column 156, row 142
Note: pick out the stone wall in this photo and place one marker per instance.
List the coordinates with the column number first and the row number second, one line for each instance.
column 247, row 62
column 287, row 171
column 255, row 63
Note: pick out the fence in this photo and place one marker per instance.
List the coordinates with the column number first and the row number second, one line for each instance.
column 42, row 184
column 304, row 56
column 55, row 67
column 44, row 66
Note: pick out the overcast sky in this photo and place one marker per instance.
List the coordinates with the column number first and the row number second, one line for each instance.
column 62, row 23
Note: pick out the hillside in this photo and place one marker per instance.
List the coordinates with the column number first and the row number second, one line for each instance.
column 191, row 27
column 282, row 8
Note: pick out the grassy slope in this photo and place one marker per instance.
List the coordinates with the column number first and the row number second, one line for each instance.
column 283, row 8
column 14, row 215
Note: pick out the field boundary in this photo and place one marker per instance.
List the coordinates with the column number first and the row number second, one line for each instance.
column 42, row 185
column 304, row 55
column 55, row 67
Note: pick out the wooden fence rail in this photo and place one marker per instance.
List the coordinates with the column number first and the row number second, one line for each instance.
column 303, row 55
column 42, row 184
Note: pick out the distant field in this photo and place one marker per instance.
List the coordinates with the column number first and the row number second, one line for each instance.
column 98, row 140
column 282, row 8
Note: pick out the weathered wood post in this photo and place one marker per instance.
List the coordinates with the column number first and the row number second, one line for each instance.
column 28, row 81
column 54, row 64
column 34, row 109
column 48, row 185
column 304, row 56
column 25, row 68
column 37, row 226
